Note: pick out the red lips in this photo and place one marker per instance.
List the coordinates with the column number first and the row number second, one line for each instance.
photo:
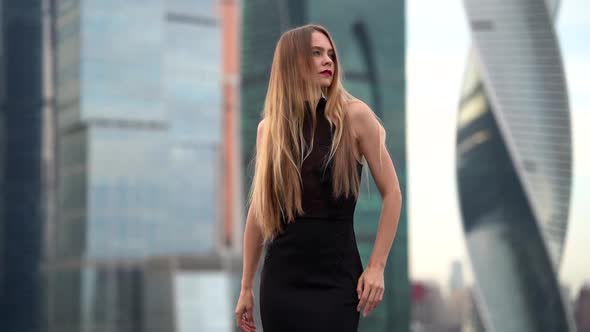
column 327, row 71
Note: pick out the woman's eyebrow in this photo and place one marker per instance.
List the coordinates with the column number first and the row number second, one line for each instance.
column 321, row 48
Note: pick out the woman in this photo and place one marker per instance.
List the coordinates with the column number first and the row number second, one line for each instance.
column 310, row 148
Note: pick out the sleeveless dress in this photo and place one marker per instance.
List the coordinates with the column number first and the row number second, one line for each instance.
column 310, row 272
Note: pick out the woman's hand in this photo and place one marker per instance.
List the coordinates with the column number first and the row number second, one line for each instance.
column 245, row 311
column 370, row 289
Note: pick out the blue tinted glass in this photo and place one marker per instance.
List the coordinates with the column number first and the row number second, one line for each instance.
column 121, row 91
column 195, row 49
column 121, row 60
column 192, row 82
column 148, row 197
column 124, row 31
column 126, row 168
column 194, row 179
column 195, row 110
column 201, row 8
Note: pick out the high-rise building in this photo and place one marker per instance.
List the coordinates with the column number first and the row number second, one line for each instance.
column 27, row 159
column 371, row 46
column 514, row 164
column 139, row 94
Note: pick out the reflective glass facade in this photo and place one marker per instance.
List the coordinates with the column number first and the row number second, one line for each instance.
column 514, row 164
column 371, row 46
column 23, row 186
column 139, row 100
column 142, row 143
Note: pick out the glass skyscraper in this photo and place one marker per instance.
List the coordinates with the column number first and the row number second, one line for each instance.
column 371, row 46
column 27, row 160
column 514, row 164
column 139, row 103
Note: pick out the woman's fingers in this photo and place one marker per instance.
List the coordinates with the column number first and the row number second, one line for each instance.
column 246, row 322
column 374, row 300
column 238, row 317
column 359, row 287
column 246, row 326
column 364, row 297
column 244, row 312
column 370, row 301
column 249, row 318
column 371, row 297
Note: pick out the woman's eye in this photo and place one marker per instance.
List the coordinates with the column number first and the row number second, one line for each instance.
column 316, row 52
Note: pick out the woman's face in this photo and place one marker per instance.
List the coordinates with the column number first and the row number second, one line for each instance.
column 323, row 58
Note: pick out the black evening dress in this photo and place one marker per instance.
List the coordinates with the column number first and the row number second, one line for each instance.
column 310, row 272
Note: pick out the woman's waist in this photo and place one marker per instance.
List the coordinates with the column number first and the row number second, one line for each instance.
column 321, row 208
column 315, row 235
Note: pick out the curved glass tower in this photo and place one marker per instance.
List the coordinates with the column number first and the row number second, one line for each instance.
column 514, row 164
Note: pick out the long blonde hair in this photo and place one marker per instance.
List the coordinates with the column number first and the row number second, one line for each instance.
column 275, row 194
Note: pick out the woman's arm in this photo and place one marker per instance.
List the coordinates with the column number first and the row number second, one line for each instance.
column 252, row 246
column 252, row 251
column 369, row 137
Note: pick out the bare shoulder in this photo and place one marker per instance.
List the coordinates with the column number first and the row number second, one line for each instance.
column 361, row 116
column 357, row 107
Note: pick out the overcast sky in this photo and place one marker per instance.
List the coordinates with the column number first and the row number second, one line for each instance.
column 437, row 46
